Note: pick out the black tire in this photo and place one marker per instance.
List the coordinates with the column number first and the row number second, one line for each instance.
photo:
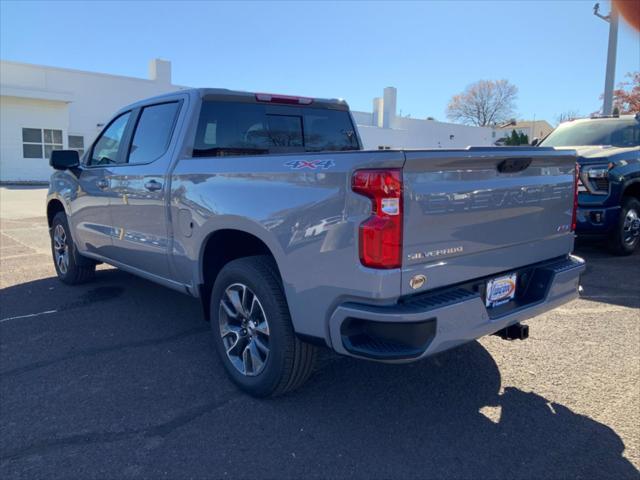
column 289, row 361
column 625, row 237
column 76, row 269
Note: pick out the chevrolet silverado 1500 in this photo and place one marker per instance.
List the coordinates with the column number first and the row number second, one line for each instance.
column 266, row 208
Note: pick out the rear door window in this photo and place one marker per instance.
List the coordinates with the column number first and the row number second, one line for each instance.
column 153, row 132
column 229, row 128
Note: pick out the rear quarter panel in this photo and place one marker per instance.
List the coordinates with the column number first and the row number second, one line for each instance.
column 304, row 212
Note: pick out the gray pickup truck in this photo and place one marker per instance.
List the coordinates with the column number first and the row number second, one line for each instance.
column 266, row 208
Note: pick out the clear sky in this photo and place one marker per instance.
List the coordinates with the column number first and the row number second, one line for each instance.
column 554, row 51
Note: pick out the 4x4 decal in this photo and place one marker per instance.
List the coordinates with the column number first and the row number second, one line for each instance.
column 310, row 164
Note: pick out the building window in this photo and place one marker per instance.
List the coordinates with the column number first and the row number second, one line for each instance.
column 36, row 142
column 76, row 142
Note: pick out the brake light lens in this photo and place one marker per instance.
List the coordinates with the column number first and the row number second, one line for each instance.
column 574, row 215
column 380, row 236
column 287, row 99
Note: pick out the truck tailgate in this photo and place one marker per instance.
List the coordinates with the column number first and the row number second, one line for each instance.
column 484, row 210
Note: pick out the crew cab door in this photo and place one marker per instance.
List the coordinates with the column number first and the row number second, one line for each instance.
column 91, row 220
column 139, row 183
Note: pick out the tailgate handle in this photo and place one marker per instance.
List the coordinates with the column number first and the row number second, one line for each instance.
column 512, row 165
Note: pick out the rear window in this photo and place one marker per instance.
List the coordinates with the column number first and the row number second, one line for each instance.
column 228, row 128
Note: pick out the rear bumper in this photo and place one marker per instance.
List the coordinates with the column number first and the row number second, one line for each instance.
column 422, row 325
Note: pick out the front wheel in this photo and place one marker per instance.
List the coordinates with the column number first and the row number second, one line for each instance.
column 70, row 267
column 252, row 329
column 625, row 238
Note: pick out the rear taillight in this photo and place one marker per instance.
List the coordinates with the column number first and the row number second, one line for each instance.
column 381, row 234
column 287, row 99
column 574, row 215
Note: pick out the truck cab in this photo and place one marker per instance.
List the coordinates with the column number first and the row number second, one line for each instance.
column 608, row 151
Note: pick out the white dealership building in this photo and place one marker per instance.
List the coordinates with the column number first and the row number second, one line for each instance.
column 44, row 108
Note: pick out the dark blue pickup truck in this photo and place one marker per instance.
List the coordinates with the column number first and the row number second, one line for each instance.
column 609, row 182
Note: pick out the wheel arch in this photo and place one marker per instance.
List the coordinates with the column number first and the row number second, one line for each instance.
column 219, row 248
column 632, row 189
column 54, row 206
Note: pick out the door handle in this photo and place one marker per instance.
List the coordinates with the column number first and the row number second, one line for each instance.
column 102, row 184
column 153, row 186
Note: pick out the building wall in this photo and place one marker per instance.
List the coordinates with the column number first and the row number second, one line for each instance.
column 86, row 100
column 434, row 134
column 385, row 129
column 374, row 138
column 417, row 133
column 18, row 113
column 363, row 118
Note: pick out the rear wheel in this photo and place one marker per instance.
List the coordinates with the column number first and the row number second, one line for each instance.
column 71, row 268
column 252, row 329
column 625, row 238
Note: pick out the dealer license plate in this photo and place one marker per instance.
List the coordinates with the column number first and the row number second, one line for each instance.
column 501, row 290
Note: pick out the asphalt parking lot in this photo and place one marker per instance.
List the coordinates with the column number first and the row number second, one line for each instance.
column 117, row 379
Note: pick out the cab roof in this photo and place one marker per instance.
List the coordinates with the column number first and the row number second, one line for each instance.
column 226, row 95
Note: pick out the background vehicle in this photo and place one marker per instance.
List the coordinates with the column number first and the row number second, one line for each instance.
column 609, row 186
column 264, row 207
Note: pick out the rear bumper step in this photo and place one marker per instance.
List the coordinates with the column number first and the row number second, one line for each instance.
column 425, row 324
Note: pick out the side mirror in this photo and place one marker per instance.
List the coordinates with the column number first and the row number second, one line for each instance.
column 64, row 159
column 535, row 141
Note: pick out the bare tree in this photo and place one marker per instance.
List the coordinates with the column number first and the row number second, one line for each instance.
column 567, row 115
column 484, row 103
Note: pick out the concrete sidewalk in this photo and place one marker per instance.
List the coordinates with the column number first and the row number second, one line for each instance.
column 20, row 201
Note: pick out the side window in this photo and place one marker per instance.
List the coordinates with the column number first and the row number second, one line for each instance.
column 105, row 151
column 32, row 143
column 628, row 136
column 34, row 139
column 153, row 132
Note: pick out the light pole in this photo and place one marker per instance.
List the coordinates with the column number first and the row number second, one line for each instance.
column 612, row 18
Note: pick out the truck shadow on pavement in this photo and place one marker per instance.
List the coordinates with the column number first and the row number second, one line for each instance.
column 121, row 381
column 448, row 417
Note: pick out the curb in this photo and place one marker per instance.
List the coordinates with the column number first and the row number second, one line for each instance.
column 24, row 183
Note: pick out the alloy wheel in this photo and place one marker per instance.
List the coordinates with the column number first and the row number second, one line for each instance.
column 631, row 227
column 244, row 329
column 61, row 249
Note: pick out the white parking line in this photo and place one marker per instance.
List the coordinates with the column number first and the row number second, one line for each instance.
column 608, row 296
column 47, row 312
